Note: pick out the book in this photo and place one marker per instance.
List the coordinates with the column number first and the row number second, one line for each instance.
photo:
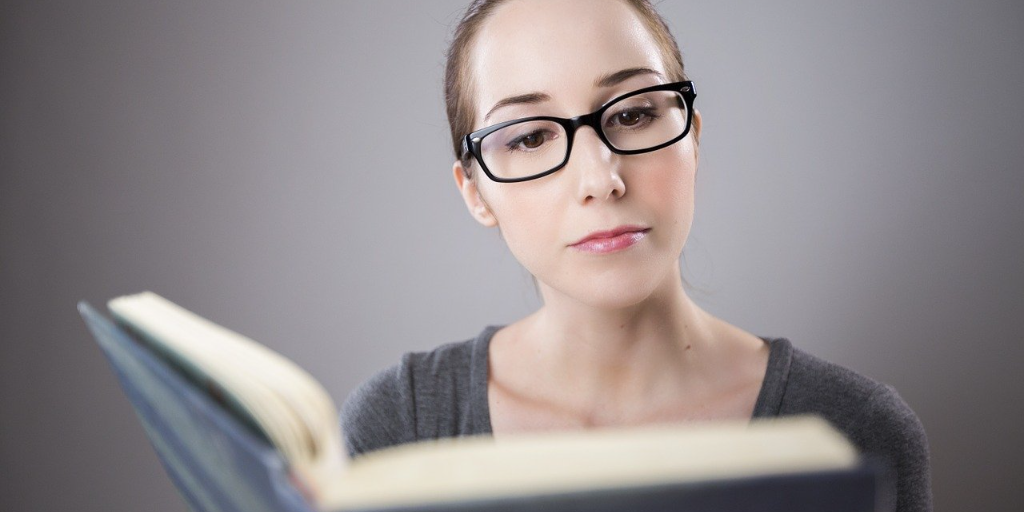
column 240, row 427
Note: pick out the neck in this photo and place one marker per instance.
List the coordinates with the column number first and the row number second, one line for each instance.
column 618, row 355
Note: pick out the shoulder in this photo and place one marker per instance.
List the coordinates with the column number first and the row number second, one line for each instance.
column 844, row 395
column 890, row 428
column 815, row 383
column 872, row 414
column 379, row 412
column 401, row 403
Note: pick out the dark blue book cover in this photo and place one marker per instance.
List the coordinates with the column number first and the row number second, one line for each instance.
column 216, row 462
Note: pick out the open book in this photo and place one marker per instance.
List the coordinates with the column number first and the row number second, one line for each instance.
column 205, row 394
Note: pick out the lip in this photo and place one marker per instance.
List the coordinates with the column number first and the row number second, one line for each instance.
column 612, row 240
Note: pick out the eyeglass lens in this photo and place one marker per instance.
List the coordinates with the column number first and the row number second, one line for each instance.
column 633, row 123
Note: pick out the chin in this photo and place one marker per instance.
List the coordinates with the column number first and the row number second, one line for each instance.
column 613, row 302
column 612, row 290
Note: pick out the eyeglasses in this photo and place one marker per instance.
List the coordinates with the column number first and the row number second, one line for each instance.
column 641, row 121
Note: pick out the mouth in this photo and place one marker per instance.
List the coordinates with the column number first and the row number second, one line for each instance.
column 612, row 240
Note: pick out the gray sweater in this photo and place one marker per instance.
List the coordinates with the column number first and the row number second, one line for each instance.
column 443, row 393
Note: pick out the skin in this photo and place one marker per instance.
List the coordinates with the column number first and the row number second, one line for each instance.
column 617, row 341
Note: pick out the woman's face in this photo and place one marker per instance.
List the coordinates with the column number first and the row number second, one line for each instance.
column 559, row 50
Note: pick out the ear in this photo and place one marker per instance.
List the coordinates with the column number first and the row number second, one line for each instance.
column 471, row 195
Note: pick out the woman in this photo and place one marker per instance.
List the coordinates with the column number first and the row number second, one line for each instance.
column 575, row 135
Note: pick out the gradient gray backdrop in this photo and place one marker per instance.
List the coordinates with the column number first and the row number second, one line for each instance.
column 285, row 170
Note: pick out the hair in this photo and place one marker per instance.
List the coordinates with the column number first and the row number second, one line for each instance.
column 458, row 85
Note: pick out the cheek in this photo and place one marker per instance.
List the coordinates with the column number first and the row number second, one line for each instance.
column 665, row 185
column 529, row 219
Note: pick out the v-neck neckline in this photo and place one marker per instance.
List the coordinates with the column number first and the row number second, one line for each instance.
column 768, row 404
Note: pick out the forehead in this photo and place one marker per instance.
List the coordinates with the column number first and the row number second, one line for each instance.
column 557, row 47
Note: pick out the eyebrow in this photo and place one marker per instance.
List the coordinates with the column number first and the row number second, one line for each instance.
column 621, row 76
column 607, row 80
column 530, row 98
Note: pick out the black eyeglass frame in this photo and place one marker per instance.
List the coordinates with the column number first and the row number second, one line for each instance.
column 473, row 141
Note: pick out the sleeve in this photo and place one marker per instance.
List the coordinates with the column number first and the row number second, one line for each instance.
column 380, row 412
column 893, row 430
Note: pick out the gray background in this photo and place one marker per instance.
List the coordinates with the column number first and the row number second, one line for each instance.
column 860, row 193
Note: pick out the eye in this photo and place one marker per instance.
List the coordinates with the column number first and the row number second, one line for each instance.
column 531, row 140
column 633, row 117
column 628, row 117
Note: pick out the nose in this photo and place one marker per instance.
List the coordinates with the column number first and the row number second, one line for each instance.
column 596, row 167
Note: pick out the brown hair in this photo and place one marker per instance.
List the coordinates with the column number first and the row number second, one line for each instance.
column 458, row 88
